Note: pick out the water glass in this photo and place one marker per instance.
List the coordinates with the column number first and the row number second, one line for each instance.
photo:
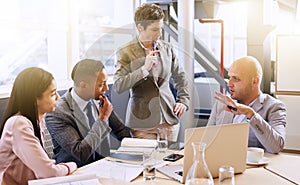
column 162, row 139
column 226, row 175
column 149, row 162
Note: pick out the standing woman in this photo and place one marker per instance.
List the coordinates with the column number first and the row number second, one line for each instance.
column 146, row 66
column 22, row 154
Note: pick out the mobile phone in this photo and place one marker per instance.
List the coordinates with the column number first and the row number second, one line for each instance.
column 102, row 101
column 173, row 157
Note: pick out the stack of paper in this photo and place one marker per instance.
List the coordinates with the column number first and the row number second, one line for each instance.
column 125, row 158
column 136, row 146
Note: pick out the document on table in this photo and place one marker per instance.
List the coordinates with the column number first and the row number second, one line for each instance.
column 136, row 146
column 116, row 170
column 126, row 158
column 110, row 169
column 84, row 179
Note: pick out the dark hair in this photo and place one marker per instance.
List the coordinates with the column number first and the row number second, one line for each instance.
column 86, row 68
column 147, row 14
column 29, row 85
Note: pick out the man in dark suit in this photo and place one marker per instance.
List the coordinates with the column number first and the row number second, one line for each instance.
column 84, row 117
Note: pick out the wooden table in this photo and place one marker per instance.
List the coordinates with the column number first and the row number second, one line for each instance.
column 285, row 165
column 282, row 169
column 257, row 176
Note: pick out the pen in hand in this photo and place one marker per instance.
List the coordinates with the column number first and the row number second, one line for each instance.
column 225, row 100
column 232, row 108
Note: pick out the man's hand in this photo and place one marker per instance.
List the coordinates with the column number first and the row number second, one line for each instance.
column 234, row 107
column 106, row 108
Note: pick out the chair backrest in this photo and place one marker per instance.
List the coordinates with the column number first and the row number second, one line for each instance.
column 119, row 102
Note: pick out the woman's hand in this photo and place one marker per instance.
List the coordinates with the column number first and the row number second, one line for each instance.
column 151, row 60
column 179, row 109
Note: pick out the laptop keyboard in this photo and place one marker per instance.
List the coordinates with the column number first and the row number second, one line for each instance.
column 179, row 173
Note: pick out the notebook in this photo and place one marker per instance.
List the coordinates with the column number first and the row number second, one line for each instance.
column 225, row 145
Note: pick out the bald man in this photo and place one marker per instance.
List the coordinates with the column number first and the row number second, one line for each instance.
column 246, row 103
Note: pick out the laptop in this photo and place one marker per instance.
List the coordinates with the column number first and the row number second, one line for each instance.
column 225, row 145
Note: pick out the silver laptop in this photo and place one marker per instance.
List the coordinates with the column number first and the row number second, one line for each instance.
column 225, row 145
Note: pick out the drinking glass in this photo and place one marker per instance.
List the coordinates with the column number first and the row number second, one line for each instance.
column 149, row 162
column 162, row 139
column 226, row 175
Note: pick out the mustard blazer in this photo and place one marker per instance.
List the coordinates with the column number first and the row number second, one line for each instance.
column 149, row 99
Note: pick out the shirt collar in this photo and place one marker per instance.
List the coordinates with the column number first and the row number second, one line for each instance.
column 251, row 104
column 257, row 99
column 155, row 45
column 81, row 102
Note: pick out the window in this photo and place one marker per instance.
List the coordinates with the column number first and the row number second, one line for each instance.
column 55, row 34
column 235, row 33
column 103, row 28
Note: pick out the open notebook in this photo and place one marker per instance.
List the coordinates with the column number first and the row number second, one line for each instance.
column 226, row 145
column 131, row 150
column 136, row 146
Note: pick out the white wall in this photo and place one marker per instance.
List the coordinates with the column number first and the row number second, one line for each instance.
column 293, row 127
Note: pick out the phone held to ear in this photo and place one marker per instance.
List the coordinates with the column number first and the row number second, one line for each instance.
column 173, row 157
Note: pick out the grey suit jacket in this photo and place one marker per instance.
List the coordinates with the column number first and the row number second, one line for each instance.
column 72, row 138
column 149, row 99
column 267, row 126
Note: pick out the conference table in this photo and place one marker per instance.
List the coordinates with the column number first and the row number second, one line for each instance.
column 283, row 168
column 285, row 165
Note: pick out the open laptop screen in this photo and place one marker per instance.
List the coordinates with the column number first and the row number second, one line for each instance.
column 225, row 145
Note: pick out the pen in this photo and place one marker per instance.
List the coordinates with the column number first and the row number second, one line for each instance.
column 232, row 108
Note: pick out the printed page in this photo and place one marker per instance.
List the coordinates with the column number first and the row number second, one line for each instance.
column 115, row 170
